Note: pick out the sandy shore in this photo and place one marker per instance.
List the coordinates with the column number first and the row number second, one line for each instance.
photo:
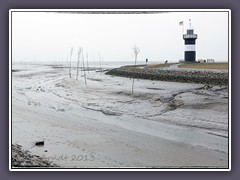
column 162, row 125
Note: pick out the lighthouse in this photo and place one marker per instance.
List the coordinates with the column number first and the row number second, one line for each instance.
column 189, row 42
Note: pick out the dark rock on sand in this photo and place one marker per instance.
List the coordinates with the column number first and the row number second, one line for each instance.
column 39, row 143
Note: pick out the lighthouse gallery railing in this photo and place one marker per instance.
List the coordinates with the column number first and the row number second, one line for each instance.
column 189, row 36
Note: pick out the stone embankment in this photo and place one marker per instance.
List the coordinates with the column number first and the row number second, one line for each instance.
column 193, row 76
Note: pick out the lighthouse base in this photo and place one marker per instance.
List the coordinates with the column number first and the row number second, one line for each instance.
column 190, row 56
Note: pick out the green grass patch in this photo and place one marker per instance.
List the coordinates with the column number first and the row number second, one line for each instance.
column 223, row 66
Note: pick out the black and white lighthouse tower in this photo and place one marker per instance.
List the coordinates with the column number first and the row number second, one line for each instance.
column 189, row 41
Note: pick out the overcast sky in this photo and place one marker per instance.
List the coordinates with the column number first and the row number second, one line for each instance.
column 38, row 36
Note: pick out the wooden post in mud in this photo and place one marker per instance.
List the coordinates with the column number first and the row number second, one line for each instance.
column 71, row 52
column 87, row 62
column 100, row 61
column 84, row 73
column 78, row 61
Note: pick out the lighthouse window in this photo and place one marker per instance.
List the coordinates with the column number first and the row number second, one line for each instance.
column 190, row 31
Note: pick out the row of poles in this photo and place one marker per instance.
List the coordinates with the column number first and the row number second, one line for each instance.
column 80, row 60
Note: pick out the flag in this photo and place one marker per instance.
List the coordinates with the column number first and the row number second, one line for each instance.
column 180, row 23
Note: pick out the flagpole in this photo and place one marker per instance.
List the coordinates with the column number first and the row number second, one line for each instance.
column 182, row 28
column 182, row 24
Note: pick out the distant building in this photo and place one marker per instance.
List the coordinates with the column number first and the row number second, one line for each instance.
column 201, row 60
column 210, row 60
column 206, row 60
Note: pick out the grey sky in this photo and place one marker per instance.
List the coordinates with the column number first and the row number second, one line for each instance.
column 49, row 36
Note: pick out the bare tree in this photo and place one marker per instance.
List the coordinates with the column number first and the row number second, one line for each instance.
column 136, row 51
column 70, row 59
column 78, row 61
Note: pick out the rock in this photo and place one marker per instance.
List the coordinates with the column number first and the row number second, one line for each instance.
column 39, row 143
